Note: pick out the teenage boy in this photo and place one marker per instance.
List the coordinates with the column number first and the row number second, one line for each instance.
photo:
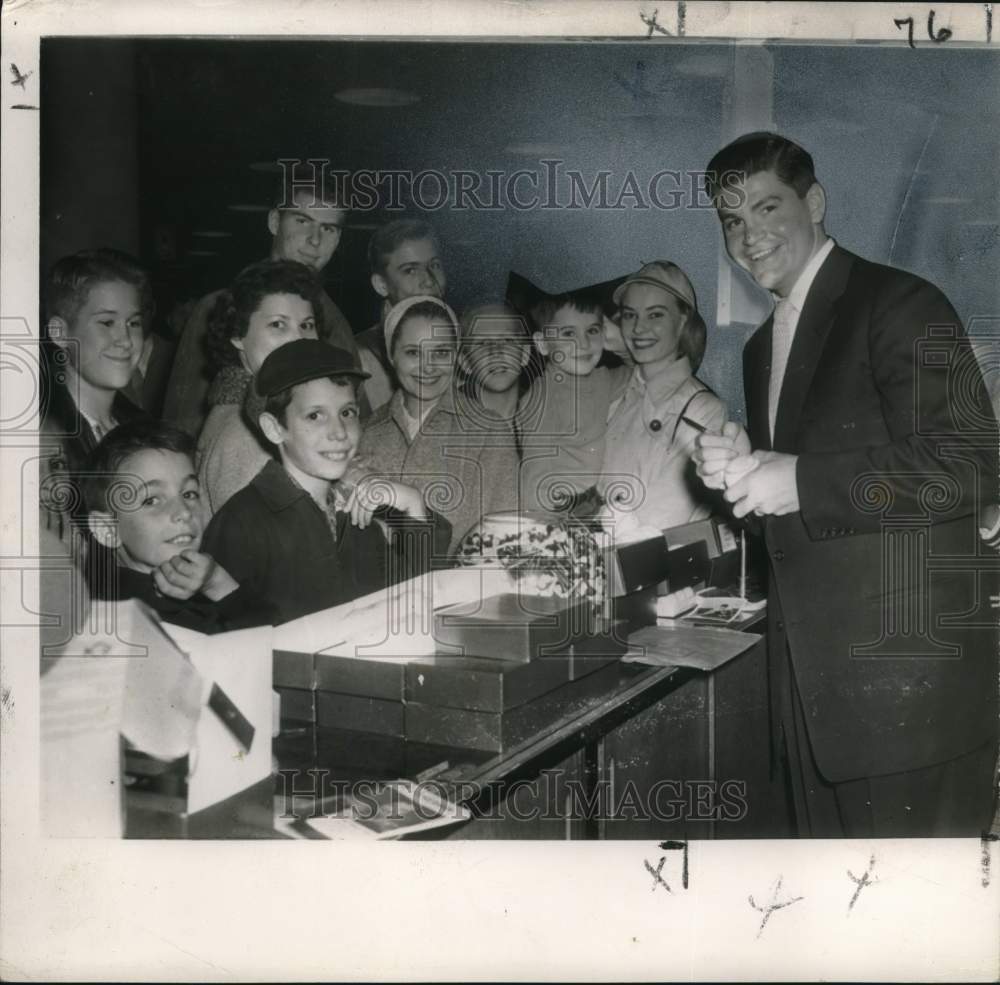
column 146, row 516
column 305, row 224
column 95, row 336
column 405, row 261
column 296, row 535
column 864, row 466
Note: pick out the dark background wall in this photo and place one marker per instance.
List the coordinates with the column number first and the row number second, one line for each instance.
column 89, row 167
column 167, row 148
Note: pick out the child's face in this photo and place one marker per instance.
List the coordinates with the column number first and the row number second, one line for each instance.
column 280, row 318
column 306, row 234
column 494, row 352
column 652, row 322
column 165, row 516
column 574, row 340
column 321, row 430
column 105, row 339
column 424, row 357
column 413, row 268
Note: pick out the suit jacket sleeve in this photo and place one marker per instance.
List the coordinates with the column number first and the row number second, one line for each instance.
column 936, row 447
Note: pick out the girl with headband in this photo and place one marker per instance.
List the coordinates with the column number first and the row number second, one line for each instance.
column 421, row 438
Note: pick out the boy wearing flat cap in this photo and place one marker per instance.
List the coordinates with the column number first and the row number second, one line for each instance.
column 299, row 535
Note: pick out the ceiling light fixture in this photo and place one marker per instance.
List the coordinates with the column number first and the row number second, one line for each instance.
column 376, row 97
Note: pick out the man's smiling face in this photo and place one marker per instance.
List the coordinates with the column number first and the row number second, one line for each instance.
column 770, row 232
column 308, row 232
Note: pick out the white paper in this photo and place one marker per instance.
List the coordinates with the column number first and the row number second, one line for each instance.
column 240, row 663
column 81, row 711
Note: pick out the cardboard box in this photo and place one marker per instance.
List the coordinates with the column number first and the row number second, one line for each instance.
column 721, row 566
column 498, row 731
column 606, row 645
column 292, row 669
column 480, row 684
column 688, row 566
column 700, row 531
column 349, row 711
column 298, row 706
column 636, row 610
column 632, row 567
column 513, row 627
column 372, row 677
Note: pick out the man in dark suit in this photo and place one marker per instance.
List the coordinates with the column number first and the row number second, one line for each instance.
column 871, row 446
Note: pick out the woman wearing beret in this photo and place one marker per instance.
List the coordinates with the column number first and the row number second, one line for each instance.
column 649, row 479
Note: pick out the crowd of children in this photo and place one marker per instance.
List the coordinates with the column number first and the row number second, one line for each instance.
column 297, row 466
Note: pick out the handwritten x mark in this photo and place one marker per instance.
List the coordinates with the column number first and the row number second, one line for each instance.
column 861, row 882
column 768, row 908
column 19, row 77
column 652, row 24
column 658, row 880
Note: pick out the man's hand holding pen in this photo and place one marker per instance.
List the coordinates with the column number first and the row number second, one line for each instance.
column 759, row 482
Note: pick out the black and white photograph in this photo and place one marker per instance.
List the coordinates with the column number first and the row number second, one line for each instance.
column 559, row 440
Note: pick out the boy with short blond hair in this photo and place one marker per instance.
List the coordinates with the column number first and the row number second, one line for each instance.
column 93, row 341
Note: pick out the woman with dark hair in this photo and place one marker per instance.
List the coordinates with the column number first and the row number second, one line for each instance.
column 649, row 478
column 270, row 303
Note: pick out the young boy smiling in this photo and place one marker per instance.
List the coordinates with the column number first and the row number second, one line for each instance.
column 564, row 457
column 146, row 519
column 297, row 535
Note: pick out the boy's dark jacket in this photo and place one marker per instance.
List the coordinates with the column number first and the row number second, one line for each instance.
column 275, row 541
column 241, row 609
column 66, row 440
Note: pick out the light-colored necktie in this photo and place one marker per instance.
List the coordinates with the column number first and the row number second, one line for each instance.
column 782, row 331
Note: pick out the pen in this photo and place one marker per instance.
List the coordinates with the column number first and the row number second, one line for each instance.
column 700, row 428
column 743, row 564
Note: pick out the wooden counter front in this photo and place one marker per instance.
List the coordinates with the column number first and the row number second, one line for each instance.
column 658, row 753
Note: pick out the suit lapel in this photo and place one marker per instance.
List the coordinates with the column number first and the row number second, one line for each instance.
column 757, row 372
column 811, row 333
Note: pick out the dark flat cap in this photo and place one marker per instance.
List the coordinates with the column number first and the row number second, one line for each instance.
column 301, row 361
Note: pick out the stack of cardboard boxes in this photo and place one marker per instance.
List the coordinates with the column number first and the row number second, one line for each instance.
column 486, row 665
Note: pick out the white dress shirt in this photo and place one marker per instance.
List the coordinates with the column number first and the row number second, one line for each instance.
column 786, row 320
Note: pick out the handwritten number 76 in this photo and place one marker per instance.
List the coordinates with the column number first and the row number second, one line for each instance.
column 936, row 36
